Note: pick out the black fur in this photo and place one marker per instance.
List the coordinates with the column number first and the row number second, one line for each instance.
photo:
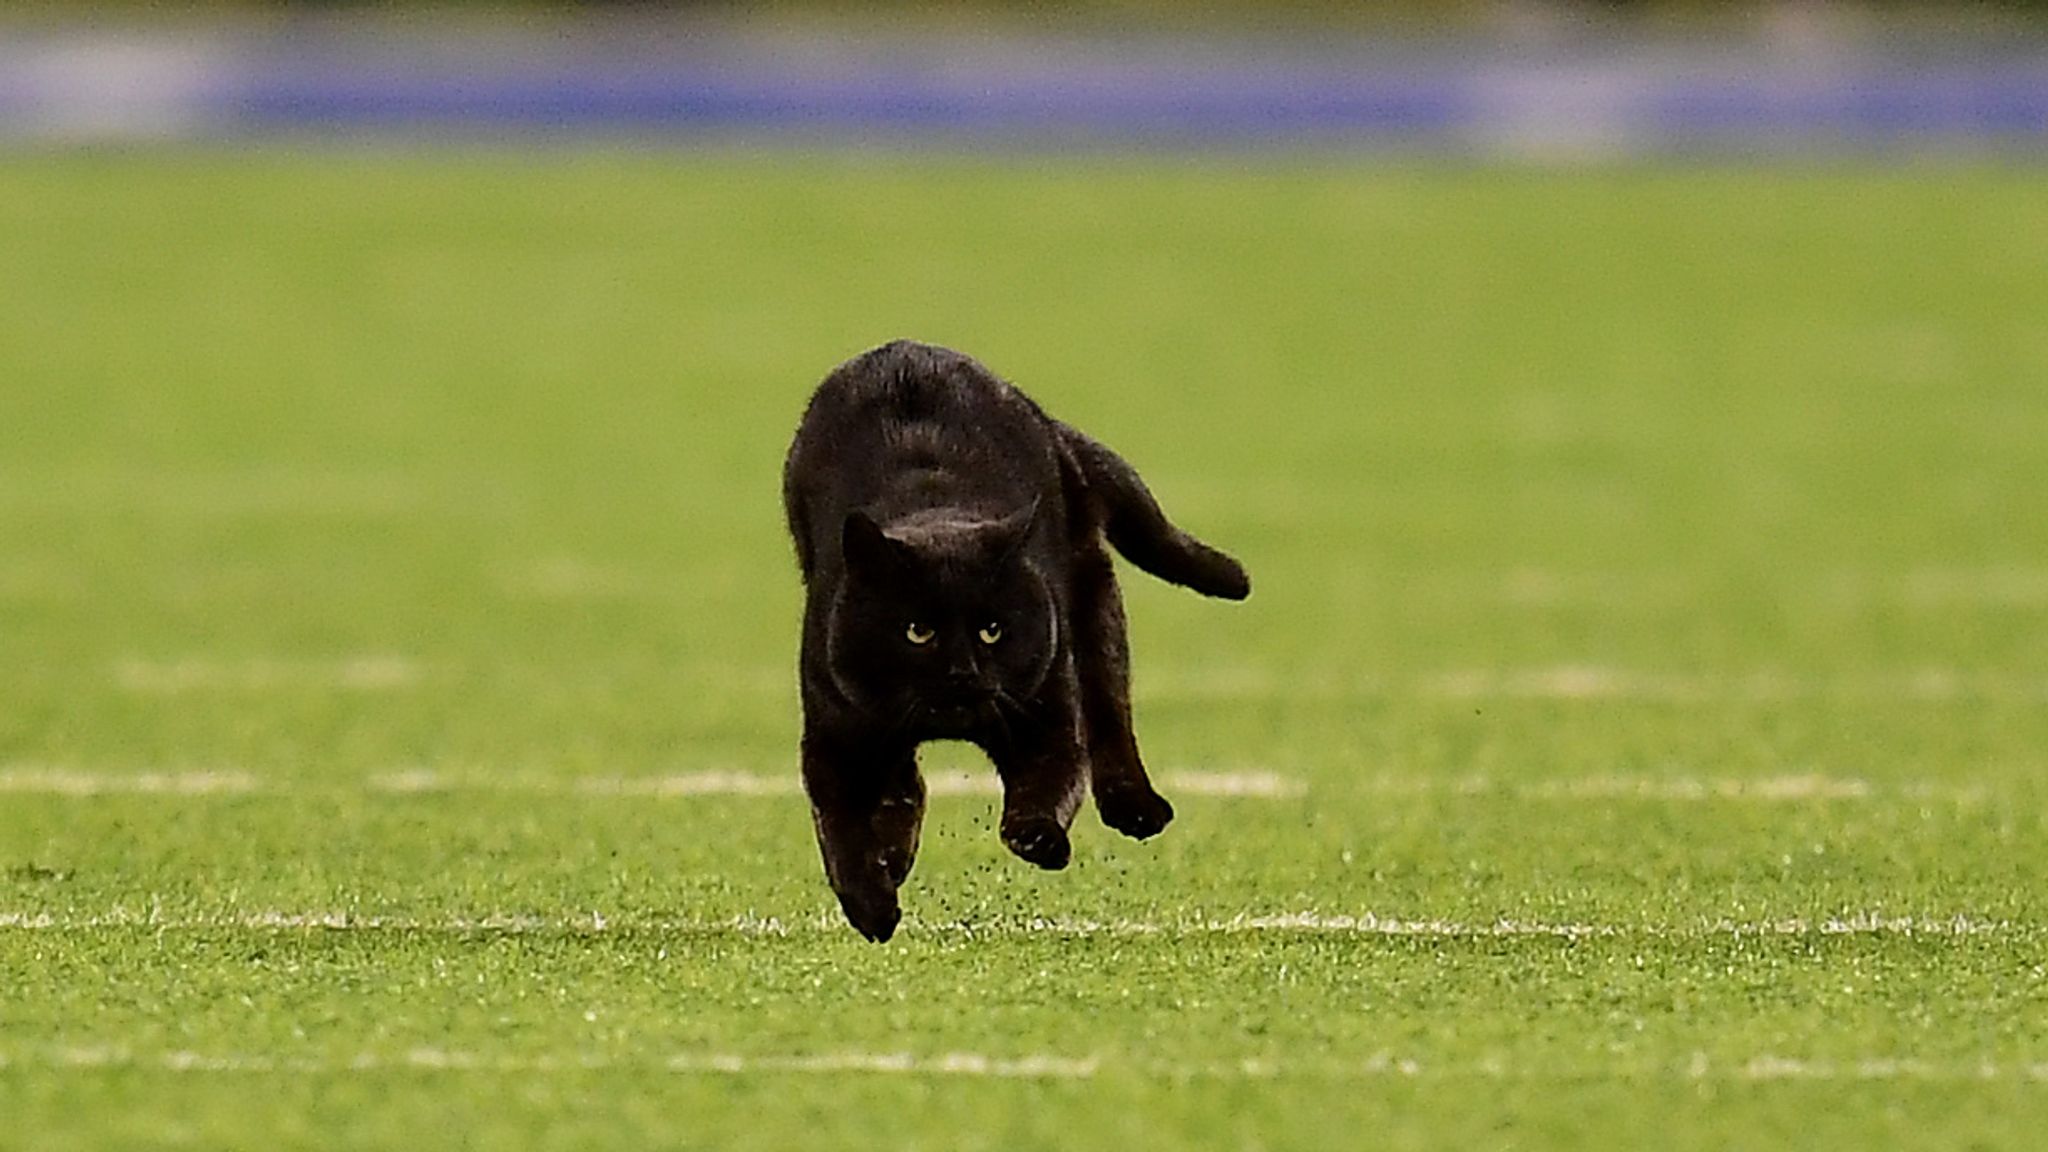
column 954, row 542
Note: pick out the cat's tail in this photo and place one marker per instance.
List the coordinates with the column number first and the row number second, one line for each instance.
column 1137, row 527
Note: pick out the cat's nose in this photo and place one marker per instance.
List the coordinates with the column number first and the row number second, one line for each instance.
column 963, row 682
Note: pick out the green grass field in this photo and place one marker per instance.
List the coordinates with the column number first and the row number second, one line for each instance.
column 1636, row 737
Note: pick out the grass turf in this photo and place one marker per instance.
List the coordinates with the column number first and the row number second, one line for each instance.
column 1651, row 574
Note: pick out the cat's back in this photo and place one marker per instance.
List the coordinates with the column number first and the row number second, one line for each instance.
column 906, row 383
column 907, row 405
column 908, row 424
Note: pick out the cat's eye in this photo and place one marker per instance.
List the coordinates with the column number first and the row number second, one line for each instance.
column 991, row 632
column 918, row 634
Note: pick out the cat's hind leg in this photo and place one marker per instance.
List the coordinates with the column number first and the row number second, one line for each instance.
column 866, row 804
column 1124, row 795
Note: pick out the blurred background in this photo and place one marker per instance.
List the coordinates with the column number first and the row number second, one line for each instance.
column 1516, row 77
column 423, row 373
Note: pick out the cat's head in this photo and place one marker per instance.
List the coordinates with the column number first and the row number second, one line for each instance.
column 943, row 623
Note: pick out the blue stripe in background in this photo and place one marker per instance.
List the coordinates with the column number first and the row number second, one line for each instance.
column 1476, row 96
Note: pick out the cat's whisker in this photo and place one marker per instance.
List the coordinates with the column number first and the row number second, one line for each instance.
column 907, row 716
column 1002, row 722
column 1003, row 705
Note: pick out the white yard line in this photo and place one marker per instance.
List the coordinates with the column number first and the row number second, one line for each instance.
column 68, row 782
column 1770, row 1067
column 571, row 577
column 971, row 1064
column 958, row 783
column 377, row 672
column 36, row 779
column 385, row 672
column 1801, row 787
column 1588, row 682
column 1248, row 783
column 1764, row 1067
column 1244, row 924
column 678, row 784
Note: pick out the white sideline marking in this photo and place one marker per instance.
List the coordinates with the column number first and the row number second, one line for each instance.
column 1593, row 682
column 725, row 783
column 1770, row 1067
column 1781, row 789
column 572, row 577
column 63, row 782
column 896, row 1063
column 681, row 784
column 410, row 782
column 969, row 1064
column 1248, row 784
column 1765, row 1067
column 69, row 782
column 1585, row 682
column 365, row 673
column 1230, row 784
column 371, row 672
column 1806, row 787
column 1571, row 682
column 1243, row 924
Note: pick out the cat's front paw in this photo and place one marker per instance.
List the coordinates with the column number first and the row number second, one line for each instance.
column 1039, row 841
column 1139, row 813
column 874, row 913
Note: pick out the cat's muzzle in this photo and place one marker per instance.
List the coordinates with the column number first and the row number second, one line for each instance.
column 959, row 710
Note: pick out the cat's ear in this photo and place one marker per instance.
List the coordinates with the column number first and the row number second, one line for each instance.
column 1011, row 532
column 868, row 549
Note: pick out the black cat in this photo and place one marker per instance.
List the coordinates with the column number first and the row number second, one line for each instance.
column 958, row 586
